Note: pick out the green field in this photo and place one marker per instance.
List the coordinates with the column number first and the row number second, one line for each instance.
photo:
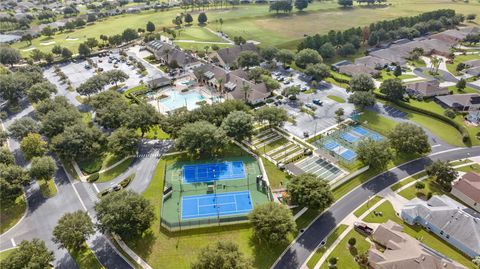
column 85, row 258
column 376, row 122
column 255, row 22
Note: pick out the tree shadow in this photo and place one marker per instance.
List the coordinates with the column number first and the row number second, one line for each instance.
column 143, row 245
column 353, row 251
column 265, row 253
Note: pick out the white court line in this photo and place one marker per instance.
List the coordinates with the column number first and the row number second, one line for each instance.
column 13, row 242
column 96, row 188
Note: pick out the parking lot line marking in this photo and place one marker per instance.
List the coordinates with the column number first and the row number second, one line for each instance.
column 13, row 242
column 436, row 145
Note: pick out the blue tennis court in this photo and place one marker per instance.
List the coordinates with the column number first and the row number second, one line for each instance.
column 209, row 205
column 349, row 137
column 330, row 145
column 197, row 173
column 361, row 131
column 348, row 155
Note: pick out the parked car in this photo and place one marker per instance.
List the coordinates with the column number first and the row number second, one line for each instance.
column 286, row 82
column 280, row 78
column 115, row 65
column 311, row 106
column 362, row 228
column 318, row 102
column 87, row 66
column 303, row 88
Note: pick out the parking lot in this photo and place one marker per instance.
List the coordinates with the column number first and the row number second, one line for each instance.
column 78, row 71
column 324, row 114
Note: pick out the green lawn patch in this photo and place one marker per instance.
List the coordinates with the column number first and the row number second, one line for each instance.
column 276, row 177
column 407, row 181
column 11, row 214
column 452, row 67
column 115, row 171
column 389, row 75
column 4, row 254
column 273, row 145
column 418, row 63
column 430, row 186
column 336, row 98
column 101, row 162
column 455, row 90
column 377, row 123
column 460, row 162
column 388, row 213
column 154, row 133
column 198, row 33
column 345, row 255
column 85, row 258
column 367, row 206
column 421, row 234
column 320, row 251
column 310, row 91
column 474, row 168
column 47, row 188
column 68, row 166
column 444, row 131
column 87, row 118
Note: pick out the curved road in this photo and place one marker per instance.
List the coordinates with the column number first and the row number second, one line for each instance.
column 306, row 243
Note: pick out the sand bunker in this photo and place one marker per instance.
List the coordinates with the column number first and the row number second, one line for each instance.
column 47, row 43
column 29, row 49
column 71, row 38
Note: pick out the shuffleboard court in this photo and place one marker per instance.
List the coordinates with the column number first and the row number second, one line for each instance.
column 222, row 204
column 196, row 173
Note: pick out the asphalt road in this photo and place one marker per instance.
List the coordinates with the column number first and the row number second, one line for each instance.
column 305, row 244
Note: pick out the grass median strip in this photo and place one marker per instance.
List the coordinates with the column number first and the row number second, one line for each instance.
column 11, row 214
column 328, row 243
column 85, row 258
column 48, row 188
column 367, row 206
column 115, row 171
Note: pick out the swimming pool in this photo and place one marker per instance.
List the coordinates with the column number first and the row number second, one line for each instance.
column 177, row 100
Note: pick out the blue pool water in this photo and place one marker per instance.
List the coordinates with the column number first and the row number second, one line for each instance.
column 177, row 100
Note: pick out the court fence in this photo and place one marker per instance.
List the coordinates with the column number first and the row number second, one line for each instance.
column 201, row 223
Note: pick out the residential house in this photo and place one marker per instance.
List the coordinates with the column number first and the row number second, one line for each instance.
column 170, row 55
column 404, row 252
column 232, row 84
column 448, row 219
column 472, row 67
column 372, row 62
column 228, row 56
column 452, row 36
column 460, row 102
column 337, row 65
column 352, row 69
column 467, row 189
column 426, row 88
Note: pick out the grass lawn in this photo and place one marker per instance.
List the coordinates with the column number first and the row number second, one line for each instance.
column 320, row 251
column 87, row 118
column 6, row 253
column 154, row 133
column 434, row 107
column 389, row 75
column 475, row 168
column 98, row 163
column 421, row 234
column 407, row 181
column 376, row 122
column 198, row 33
column 273, row 145
column 47, row 188
column 276, row 177
column 68, row 166
column 430, row 186
column 254, row 22
column 116, row 171
column 345, row 255
column 455, row 90
column 443, row 130
column 388, row 213
column 336, row 98
column 85, row 258
column 418, row 63
column 199, row 46
column 310, row 91
column 452, row 68
column 459, row 162
column 10, row 215
column 367, row 206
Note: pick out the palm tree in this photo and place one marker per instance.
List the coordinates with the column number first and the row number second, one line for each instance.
column 220, row 86
column 246, row 90
column 436, row 61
